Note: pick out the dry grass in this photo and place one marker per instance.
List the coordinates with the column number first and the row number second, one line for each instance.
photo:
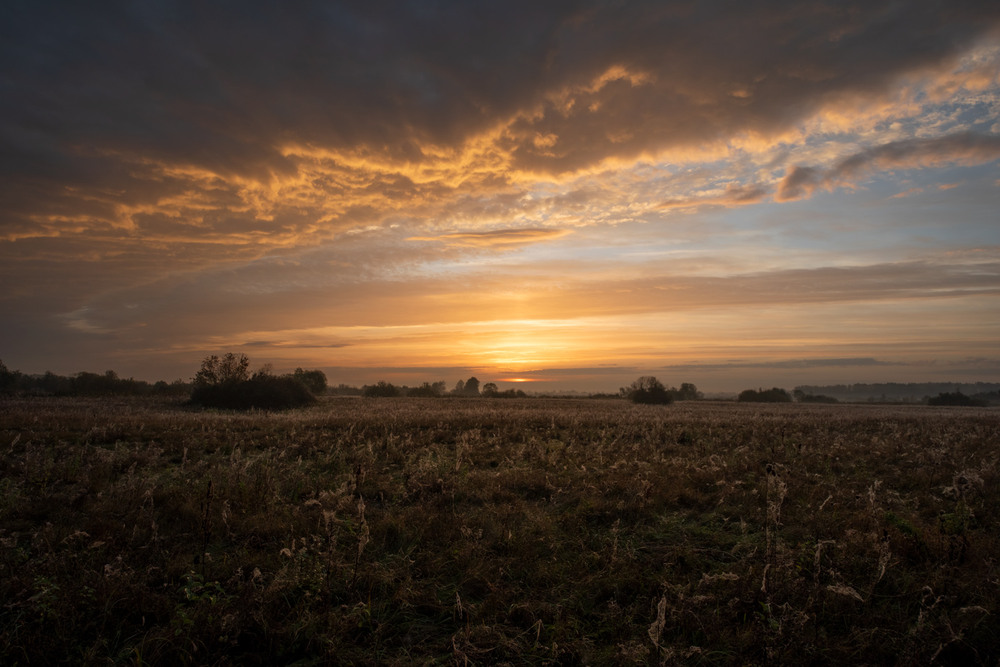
column 473, row 531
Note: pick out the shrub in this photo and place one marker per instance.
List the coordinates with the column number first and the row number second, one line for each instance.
column 231, row 368
column 955, row 398
column 225, row 383
column 803, row 397
column 382, row 389
column 818, row 398
column 648, row 390
column 315, row 380
column 428, row 390
column 265, row 392
column 773, row 395
column 687, row 392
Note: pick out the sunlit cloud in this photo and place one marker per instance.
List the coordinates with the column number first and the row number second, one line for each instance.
column 506, row 238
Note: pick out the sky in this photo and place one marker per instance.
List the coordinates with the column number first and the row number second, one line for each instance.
column 551, row 196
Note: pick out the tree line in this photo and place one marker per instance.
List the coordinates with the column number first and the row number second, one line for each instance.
column 650, row 391
column 908, row 392
column 86, row 384
column 462, row 388
column 227, row 382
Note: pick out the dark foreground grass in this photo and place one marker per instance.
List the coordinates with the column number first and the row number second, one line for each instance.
column 423, row 531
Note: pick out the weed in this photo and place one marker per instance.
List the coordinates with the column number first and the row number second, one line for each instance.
column 527, row 531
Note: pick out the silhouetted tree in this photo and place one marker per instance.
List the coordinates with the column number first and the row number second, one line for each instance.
column 471, row 387
column 803, row 397
column 773, row 395
column 314, row 380
column 428, row 390
column 955, row 398
column 648, row 390
column 489, row 389
column 226, row 383
column 511, row 393
column 381, row 389
column 12, row 381
column 231, row 368
column 687, row 392
column 57, row 385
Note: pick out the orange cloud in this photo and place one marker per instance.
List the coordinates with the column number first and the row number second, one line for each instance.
column 732, row 195
column 504, row 238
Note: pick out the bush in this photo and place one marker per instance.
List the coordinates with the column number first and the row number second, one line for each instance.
column 687, row 392
column 956, row 398
column 382, row 389
column 231, row 368
column 428, row 390
column 647, row 390
column 225, row 383
column 315, row 381
column 264, row 392
column 774, row 395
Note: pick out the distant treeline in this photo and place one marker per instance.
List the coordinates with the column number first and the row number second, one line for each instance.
column 895, row 392
column 466, row 388
column 86, row 384
column 648, row 390
column 773, row 395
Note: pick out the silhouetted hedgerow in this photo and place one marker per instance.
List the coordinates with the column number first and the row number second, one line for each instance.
column 955, row 398
column 84, row 384
column 774, row 395
column 314, row 380
column 648, row 390
column 265, row 392
column 226, row 383
column 382, row 389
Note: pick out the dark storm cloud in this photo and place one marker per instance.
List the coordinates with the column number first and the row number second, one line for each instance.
column 703, row 72
column 221, row 86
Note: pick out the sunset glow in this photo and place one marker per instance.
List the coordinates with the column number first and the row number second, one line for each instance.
column 729, row 194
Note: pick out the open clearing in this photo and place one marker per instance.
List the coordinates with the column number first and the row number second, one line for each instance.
column 442, row 531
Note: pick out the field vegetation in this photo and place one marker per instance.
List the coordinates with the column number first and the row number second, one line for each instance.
column 477, row 531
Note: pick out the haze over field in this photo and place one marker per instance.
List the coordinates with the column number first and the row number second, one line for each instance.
column 577, row 193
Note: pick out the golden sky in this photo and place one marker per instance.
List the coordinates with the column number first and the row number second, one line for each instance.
column 576, row 193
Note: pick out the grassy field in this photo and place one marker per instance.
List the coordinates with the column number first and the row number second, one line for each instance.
column 453, row 531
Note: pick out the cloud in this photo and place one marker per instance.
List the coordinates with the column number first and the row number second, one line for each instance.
column 962, row 148
column 800, row 182
column 274, row 344
column 114, row 105
column 965, row 148
column 174, row 173
column 688, row 79
column 907, row 193
column 248, row 304
column 733, row 195
column 784, row 364
column 503, row 238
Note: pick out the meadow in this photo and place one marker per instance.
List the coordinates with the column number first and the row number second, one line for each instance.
column 477, row 531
